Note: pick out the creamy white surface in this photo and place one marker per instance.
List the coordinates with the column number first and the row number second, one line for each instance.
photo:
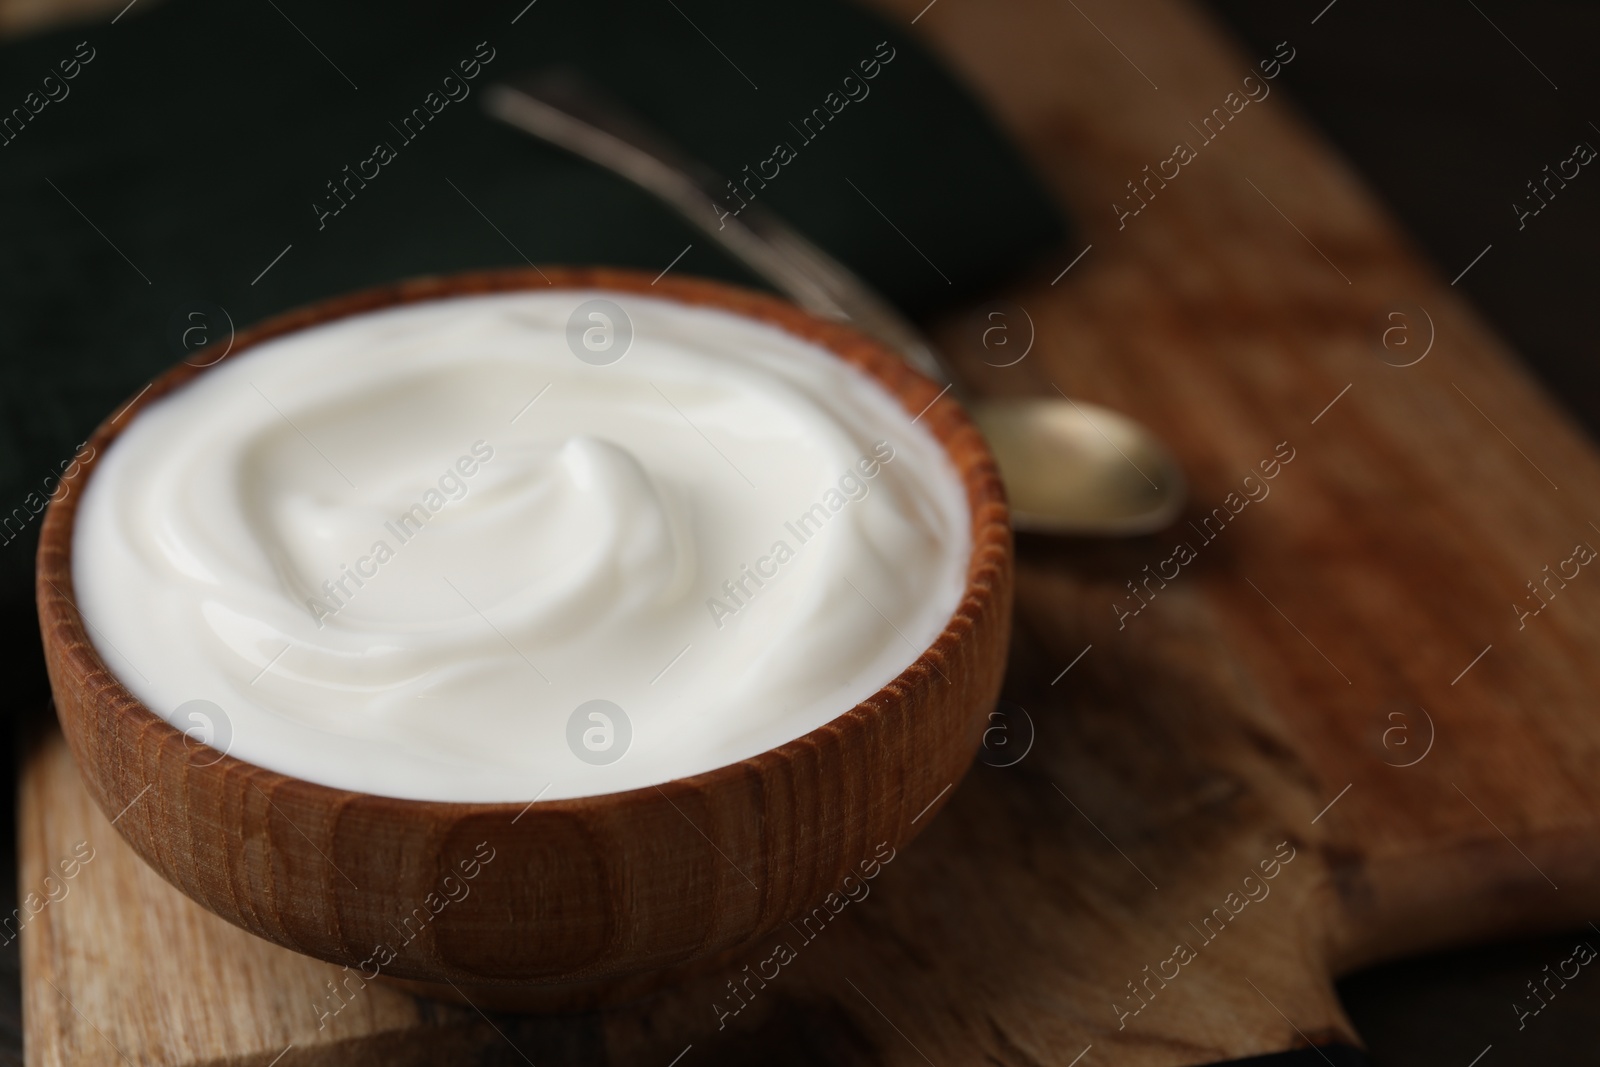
column 575, row 564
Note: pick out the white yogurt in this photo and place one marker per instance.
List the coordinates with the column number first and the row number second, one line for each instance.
column 403, row 553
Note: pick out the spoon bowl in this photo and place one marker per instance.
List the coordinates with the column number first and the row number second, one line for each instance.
column 1078, row 468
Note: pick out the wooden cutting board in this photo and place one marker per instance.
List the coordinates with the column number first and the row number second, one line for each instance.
column 1328, row 683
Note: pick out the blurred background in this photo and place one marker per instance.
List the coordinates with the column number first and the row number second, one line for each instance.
column 196, row 178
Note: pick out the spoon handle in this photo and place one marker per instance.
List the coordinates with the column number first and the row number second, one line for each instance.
column 561, row 108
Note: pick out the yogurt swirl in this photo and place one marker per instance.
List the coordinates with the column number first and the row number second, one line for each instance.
column 406, row 552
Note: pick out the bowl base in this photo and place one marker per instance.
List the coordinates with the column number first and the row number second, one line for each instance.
column 567, row 997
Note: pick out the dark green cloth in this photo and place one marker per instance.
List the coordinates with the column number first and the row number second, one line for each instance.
column 200, row 135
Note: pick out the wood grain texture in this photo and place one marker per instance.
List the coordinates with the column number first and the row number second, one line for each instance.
column 1183, row 749
column 194, row 997
column 581, row 889
column 1230, row 313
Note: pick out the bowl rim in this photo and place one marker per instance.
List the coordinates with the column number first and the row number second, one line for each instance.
column 62, row 623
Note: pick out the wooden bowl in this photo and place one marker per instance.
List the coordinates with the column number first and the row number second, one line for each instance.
column 564, row 898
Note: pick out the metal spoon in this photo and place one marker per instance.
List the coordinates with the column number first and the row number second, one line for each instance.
column 1070, row 467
